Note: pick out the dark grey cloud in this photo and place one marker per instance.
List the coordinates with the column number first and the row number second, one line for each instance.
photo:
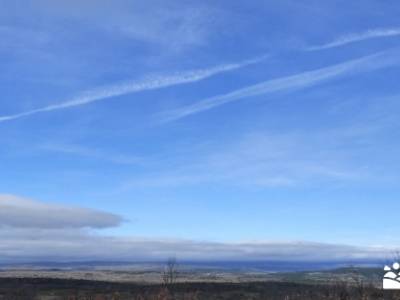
column 17, row 212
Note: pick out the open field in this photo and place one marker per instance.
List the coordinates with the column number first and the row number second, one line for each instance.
column 343, row 284
column 152, row 275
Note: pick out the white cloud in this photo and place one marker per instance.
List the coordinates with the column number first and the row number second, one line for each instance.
column 17, row 212
column 358, row 37
column 293, row 82
column 149, row 83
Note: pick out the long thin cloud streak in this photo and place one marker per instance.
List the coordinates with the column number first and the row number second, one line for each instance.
column 298, row 81
column 352, row 38
column 150, row 83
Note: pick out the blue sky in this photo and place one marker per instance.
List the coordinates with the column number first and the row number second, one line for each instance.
column 212, row 122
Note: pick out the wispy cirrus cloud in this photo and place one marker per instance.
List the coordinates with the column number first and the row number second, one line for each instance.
column 289, row 83
column 168, row 27
column 357, row 37
column 93, row 153
column 261, row 159
column 129, row 87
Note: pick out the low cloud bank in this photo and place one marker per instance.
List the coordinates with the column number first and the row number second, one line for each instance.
column 34, row 231
column 17, row 212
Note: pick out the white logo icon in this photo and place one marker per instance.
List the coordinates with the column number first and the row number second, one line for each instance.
column 391, row 279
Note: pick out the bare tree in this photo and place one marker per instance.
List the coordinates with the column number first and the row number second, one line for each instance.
column 170, row 273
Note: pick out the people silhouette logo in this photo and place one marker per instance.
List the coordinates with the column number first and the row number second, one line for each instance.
column 391, row 279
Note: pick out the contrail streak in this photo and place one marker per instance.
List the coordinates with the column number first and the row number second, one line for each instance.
column 358, row 37
column 150, row 83
column 298, row 81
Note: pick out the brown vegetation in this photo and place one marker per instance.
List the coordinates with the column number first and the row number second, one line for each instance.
column 50, row 289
